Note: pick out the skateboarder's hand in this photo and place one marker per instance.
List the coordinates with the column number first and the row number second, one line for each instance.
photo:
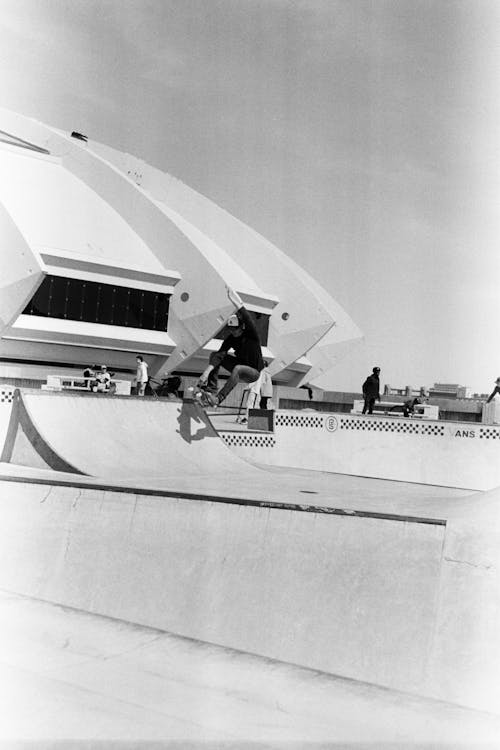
column 234, row 298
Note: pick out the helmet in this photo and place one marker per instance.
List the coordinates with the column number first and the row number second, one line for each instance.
column 233, row 321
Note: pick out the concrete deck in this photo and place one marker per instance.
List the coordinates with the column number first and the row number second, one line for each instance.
column 72, row 677
column 152, row 529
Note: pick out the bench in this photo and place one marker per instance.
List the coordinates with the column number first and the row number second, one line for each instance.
column 61, row 383
column 395, row 409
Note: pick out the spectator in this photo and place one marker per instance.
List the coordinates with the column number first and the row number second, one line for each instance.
column 494, row 391
column 409, row 406
column 309, row 390
column 266, row 386
column 263, row 388
column 89, row 376
column 371, row 390
column 103, row 380
column 253, row 395
column 141, row 376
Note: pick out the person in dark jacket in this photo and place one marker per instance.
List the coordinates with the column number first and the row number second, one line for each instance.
column 371, row 390
column 244, row 365
column 494, row 391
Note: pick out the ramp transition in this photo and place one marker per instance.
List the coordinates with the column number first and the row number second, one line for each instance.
column 116, row 438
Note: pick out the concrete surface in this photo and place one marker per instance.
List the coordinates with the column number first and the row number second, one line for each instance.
column 71, row 679
column 451, row 454
column 406, row 602
column 377, row 581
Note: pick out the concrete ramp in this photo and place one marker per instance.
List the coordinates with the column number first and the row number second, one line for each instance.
column 116, row 438
column 411, row 605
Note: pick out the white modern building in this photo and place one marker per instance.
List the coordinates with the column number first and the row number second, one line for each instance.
column 103, row 257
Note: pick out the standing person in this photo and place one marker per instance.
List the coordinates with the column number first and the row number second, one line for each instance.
column 266, row 387
column 141, row 377
column 371, row 390
column 252, row 396
column 494, row 391
column 261, row 389
column 244, row 365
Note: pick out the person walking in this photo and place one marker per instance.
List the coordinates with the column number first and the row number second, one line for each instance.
column 261, row 390
column 494, row 391
column 141, row 377
column 244, row 365
column 371, row 390
column 266, row 387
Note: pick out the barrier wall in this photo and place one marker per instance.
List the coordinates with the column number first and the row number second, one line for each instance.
column 394, row 602
column 451, row 454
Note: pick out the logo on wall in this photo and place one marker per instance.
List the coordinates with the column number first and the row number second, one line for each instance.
column 331, row 424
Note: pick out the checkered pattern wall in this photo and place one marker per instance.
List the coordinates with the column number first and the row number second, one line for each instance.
column 489, row 433
column 298, row 420
column 392, row 425
column 245, row 440
column 6, row 394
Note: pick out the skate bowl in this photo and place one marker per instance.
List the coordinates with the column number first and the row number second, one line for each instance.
column 449, row 454
column 407, row 602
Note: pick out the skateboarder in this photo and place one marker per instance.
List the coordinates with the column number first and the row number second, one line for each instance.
column 244, row 365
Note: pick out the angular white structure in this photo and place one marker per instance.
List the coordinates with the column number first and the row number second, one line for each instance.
column 104, row 256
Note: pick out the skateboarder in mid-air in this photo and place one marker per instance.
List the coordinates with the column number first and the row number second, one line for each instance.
column 244, row 365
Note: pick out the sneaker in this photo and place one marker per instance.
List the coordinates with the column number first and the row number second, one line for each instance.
column 209, row 399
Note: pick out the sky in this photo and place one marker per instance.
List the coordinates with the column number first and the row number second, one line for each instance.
column 360, row 136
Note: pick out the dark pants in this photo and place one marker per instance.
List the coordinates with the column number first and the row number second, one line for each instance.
column 263, row 401
column 239, row 373
column 369, row 404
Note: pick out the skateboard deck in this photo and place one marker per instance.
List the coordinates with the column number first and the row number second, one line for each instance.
column 195, row 394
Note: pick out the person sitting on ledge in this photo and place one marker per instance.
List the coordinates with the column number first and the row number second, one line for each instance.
column 103, row 380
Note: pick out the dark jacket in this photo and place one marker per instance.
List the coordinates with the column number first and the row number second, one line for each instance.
column 492, row 395
column 247, row 346
column 371, row 387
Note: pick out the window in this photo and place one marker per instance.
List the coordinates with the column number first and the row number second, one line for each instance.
column 89, row 301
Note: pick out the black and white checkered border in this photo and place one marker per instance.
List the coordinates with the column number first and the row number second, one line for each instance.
column 392, row 425
column 242, row 440
column 298, row 420
column 489, row 433
column 6, row 395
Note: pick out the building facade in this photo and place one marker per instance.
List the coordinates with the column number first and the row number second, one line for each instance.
column 104, row 256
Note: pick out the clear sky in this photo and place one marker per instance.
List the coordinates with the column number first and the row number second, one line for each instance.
column 360, row 136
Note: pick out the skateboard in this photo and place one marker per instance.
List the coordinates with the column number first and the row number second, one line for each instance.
column 200, row 396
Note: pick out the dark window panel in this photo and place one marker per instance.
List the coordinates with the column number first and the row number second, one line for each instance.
column 91, row 303
column 161, row 321
column 122, row 301
column 39, row 304
column 75, row 291
column 108, row 304
column 58, row 294
column 134, row 308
